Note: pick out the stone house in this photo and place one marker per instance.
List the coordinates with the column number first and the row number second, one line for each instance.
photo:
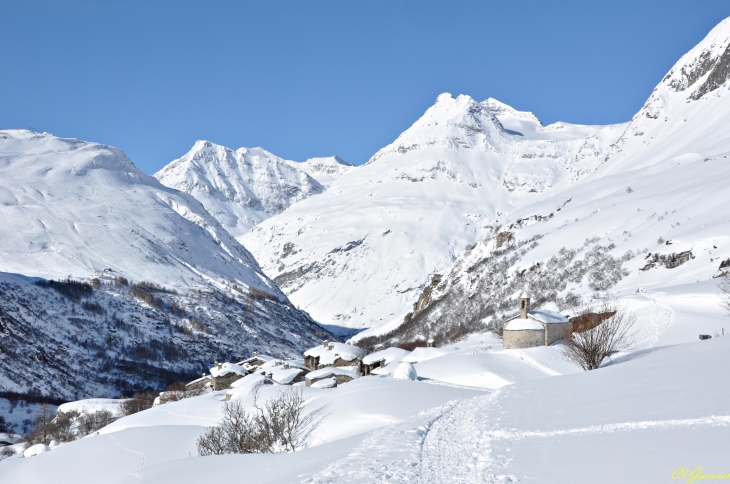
column 284, row 372
column 534, row 328
column 380, row 359
column 255, row 361
column 331, row 353
column 338, row 375
column 199, row 383
column 223, row 374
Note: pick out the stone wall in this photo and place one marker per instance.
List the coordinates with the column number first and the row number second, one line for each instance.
column 339, row 378
column 523, row 338
column 223, row 382
column 311, row 362
column 557, row 331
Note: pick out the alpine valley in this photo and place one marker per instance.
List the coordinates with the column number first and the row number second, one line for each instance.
column 408, row 266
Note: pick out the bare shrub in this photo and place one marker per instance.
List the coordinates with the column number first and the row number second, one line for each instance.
column 89, row 423
column 7, row 451
column 608, row 334
column 724, row 287
column 280, row 424
column 138, row 403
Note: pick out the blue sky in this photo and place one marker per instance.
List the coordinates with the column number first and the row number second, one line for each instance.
column 306, row 79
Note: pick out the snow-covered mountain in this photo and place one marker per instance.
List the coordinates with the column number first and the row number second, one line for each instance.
column 79, row 209
column 361, row 252
column 652, row 215
column 243, row 187
column 325, row 170
column 73, row 209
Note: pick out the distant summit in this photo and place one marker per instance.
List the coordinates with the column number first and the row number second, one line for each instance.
column 239, row 188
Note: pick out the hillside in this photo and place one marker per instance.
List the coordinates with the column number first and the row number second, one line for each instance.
column 361, row 252
column 73, row 209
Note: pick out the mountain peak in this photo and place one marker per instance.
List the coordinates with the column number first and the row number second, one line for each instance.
column 452, row 122
column 706, row 67
column 240, row 188
column 500, row 109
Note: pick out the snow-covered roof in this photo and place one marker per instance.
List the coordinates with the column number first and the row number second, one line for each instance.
column 534, row 320
column 332, row 370
column 338, row 350
column 522, row 324
column 423, row 354
column 388, row 354
column 524, row 295
column 228, row 368
column 325, row 383
column 258, row 357
column 285, row 376
column 547, row 316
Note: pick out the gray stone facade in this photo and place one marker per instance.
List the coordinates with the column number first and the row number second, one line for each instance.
column 524, row 338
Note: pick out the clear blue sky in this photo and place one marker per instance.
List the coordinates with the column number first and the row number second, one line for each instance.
column 318, row 78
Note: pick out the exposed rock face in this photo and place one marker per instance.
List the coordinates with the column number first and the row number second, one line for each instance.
column 670, row 261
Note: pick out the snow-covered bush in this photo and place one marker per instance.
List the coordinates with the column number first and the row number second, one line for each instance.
column 280, row 424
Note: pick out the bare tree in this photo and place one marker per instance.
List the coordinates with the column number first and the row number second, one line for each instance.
column 43, row 425
column 280, row 424
column 603, row 328
column 724, row 287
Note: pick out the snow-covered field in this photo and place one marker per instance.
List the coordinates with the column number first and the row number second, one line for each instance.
column 536, row 418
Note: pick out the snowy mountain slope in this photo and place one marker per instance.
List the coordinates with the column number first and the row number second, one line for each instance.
column 325, row 170
column 80, row 342
column 69, row 208
column 243, row 187
column 686, row 116
column 360, row 252
column 652, row 216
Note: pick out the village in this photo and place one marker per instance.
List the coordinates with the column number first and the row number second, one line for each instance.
column 332, row 363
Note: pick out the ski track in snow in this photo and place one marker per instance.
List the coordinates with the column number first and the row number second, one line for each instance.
column 533, row 362
column 459, row 442
column 661, row 318
column 144, row 459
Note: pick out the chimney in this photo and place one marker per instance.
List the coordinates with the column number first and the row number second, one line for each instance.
column 254, row 354
column 429, row 343
column 286, row 365
column 524, row 305
column 326, row 343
